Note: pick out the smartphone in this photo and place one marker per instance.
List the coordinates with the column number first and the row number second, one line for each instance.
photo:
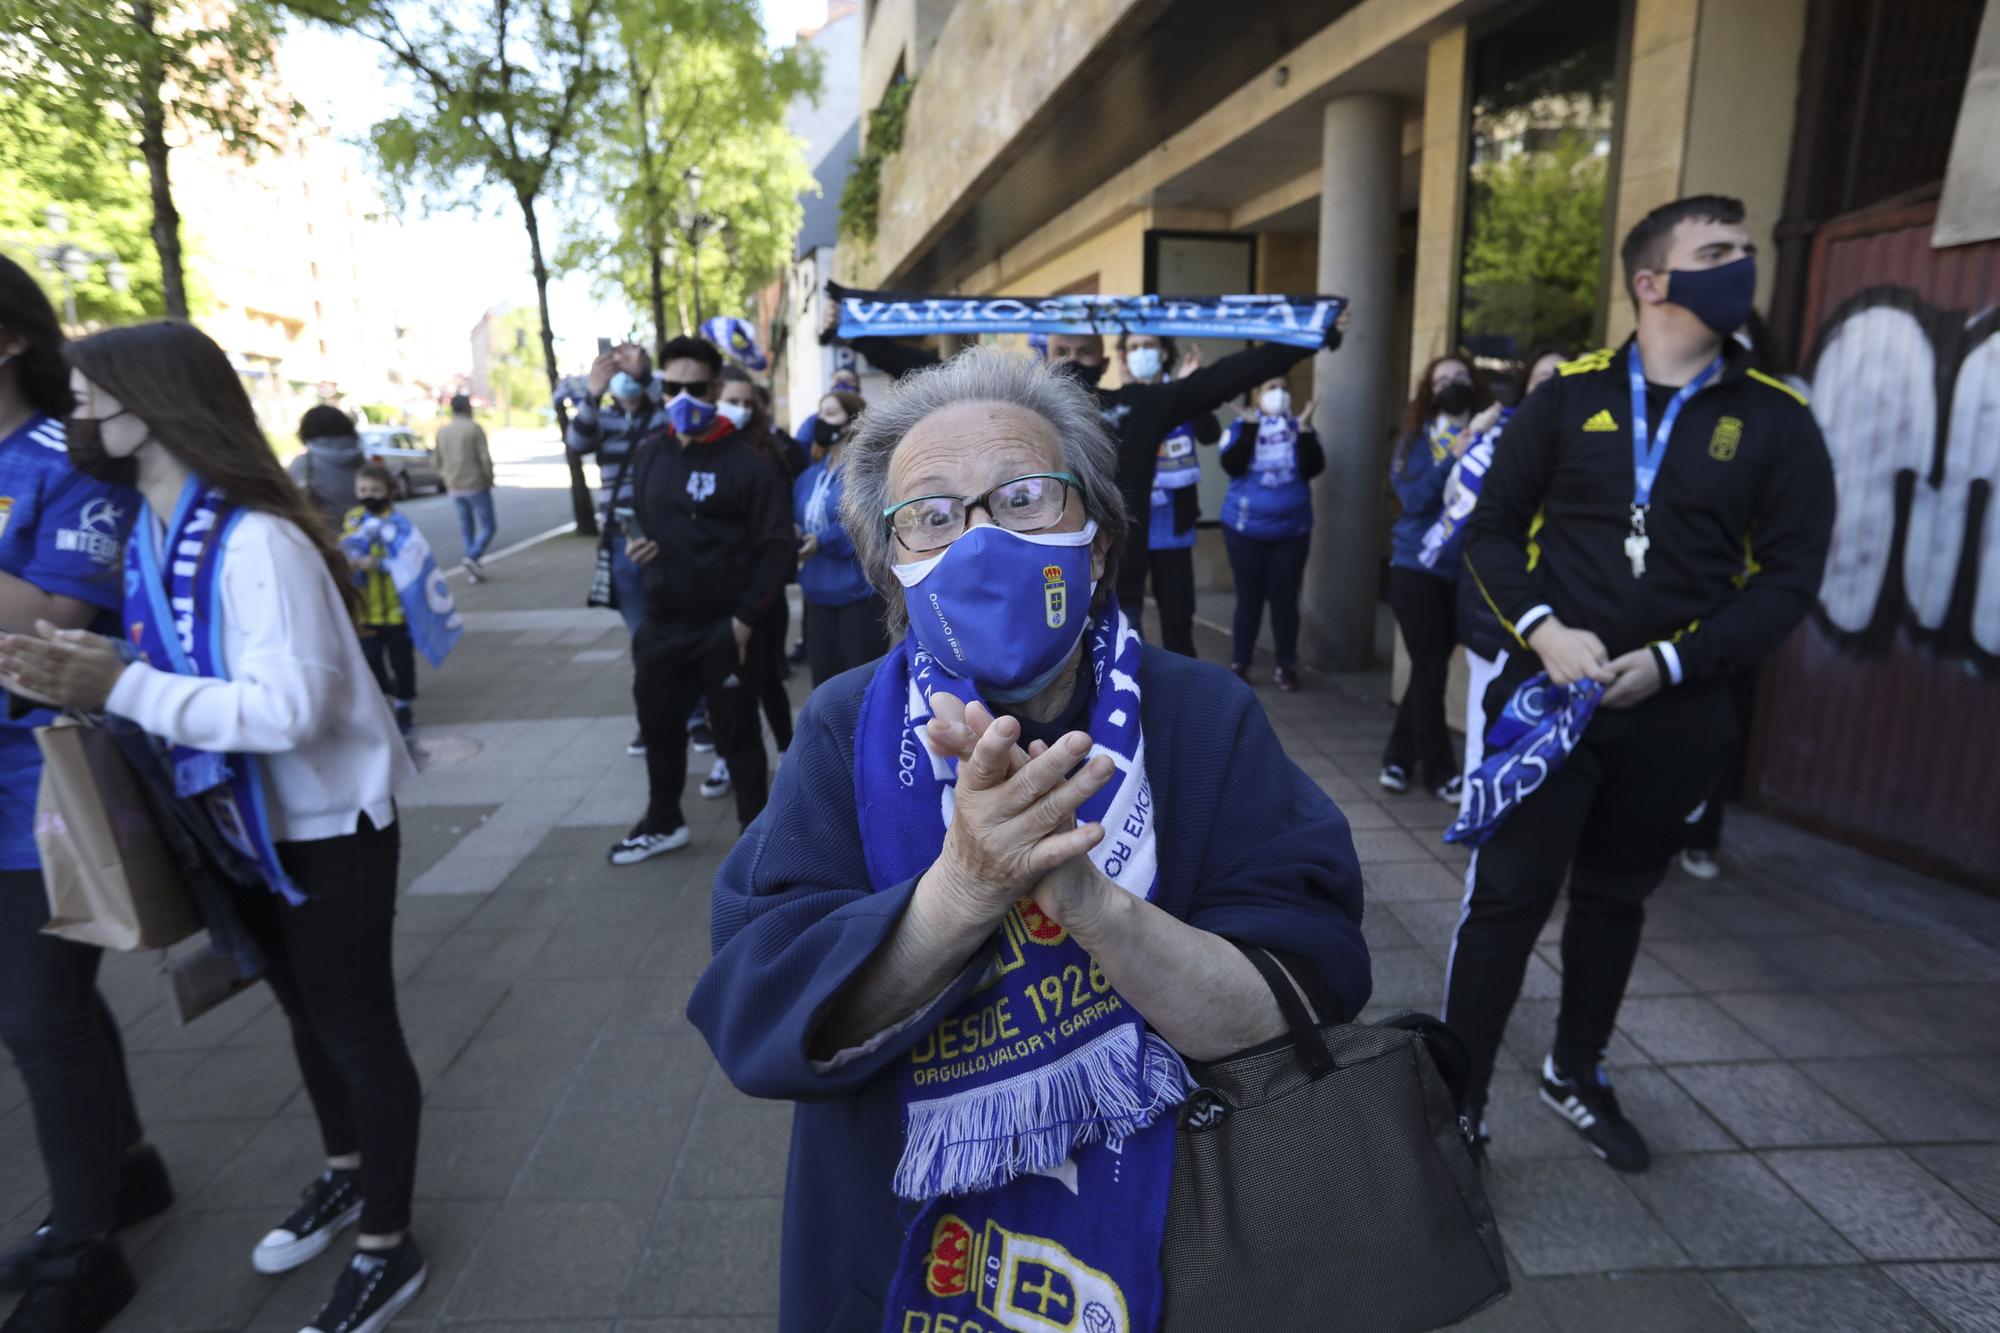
column 604, row 347
column 628, row 523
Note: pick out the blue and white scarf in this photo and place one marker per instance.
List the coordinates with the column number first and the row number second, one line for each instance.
column 1294, row 321
column 1461, row 492
column 173, row 614
column 1034, row 1125
column 1276, row 460
column 433, row 619
column 1526, row 744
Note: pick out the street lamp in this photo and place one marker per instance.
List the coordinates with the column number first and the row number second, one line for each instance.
column 73, row 262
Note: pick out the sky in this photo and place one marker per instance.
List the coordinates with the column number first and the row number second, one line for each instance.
column 459, row 263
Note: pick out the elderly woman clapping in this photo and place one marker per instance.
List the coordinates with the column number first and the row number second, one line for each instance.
column 1000, row 890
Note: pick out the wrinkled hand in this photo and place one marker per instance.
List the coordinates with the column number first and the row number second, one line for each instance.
column 1014, row 816
column 1569, row 655
column 808, row 546
column 64, row 668
column 1635, row 679
column 641, row 550
column 1077, row 897
column 1190, row 361
column 601, row 371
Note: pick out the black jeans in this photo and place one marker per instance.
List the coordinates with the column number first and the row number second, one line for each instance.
column 393, row 658
column 673, row 666
column 1267, row 570
column 1426, row 610
column 1173, row 597
column 772, row 630
column 1612, row 817
column 839, row 638
column 64, row 1040
column 329, row 963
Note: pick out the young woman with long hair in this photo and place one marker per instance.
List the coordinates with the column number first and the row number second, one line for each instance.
column 61, row 536
column 248, row 666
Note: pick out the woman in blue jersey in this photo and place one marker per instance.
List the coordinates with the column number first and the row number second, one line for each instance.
column 1267, row 518
column 62, row 537
column 1170, row 530
column 1435, row 435
column 844, row 626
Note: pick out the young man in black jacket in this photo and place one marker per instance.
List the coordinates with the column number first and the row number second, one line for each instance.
column 713, row 534
column 1657, row 519
column 1139, row 416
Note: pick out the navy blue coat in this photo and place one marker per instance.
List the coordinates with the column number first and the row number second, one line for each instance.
column 1249, row 848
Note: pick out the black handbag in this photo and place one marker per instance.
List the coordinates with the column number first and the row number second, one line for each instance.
column 1324, row 1181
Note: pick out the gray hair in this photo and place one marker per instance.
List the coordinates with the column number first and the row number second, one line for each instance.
column 978, row 375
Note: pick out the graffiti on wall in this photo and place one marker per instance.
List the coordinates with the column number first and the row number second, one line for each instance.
column 1908, row 397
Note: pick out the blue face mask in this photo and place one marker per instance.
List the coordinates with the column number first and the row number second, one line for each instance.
column 1720, row 297
column 1004, row 609
column 688, row 414
column 625, row 388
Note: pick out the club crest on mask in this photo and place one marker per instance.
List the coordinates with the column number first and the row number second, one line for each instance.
column 1055, row 595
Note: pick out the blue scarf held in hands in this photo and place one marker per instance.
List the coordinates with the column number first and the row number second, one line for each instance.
column 1526, row 744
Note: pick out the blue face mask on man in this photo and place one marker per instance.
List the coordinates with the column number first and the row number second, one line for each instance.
column 1720, row 297
column 1003, row 609
column 688, row 414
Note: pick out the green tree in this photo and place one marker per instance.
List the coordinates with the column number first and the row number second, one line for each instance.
column 499, row 97
column 515, row 371
column 1534, row 244
column 140, row 71
column 693, row 184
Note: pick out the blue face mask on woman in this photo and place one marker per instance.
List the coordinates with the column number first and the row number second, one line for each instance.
column 626, row 388
column 1004, row 609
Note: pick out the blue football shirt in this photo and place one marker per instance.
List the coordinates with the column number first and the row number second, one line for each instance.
column 65, row 533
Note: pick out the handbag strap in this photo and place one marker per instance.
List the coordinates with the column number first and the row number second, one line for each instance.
column 1307, row 1043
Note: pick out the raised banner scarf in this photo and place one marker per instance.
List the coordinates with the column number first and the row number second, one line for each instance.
column 1525, row 746
column 1034, row 1131
column 433, row 619
column 173, row 614
column 1461, row 491
column 1295, row 321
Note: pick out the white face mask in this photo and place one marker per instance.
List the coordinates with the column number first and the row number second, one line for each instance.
column 1144, row 362
column 1275, row 402
column 736, row 414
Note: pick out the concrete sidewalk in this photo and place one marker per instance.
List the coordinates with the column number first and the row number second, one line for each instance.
column 1812, row 1044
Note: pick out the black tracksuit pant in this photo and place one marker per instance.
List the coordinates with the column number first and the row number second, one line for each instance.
column 1426, row 608
column 1612, row 817
column 1173, row 598
column 673, row 666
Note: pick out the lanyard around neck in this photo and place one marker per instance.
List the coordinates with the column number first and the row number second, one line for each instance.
column 1648, row 450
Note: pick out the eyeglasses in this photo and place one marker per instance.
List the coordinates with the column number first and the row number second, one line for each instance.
column 1032, row 503
column 696, row 387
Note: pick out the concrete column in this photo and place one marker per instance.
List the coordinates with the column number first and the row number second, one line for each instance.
column 1360, row 169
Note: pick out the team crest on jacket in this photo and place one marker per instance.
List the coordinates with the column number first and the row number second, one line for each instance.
column 1722, row 444
column 1055, row 595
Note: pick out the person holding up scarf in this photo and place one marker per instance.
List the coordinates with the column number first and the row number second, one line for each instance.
column 1271, row 457
column 989, row 911
column 1436, row 434
column 843, row 612
column 240, row 655
column 1170, row 529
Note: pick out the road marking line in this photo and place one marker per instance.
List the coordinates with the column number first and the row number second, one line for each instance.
column 516, row 548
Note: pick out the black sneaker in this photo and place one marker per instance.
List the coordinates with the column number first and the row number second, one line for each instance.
column 79, row 1290
column 371, row 1289
column 701, row 738
column 144, row 1192
column 326, row 1207
column 1395, row 777
column 1592, row 1108
column 639, row 845
column 636, row 747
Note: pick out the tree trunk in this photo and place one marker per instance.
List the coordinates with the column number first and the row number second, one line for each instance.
column 656, row 277
column 579, row 489
column 153, row 146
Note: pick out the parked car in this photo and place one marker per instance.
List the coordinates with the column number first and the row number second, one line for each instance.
column 406, row 455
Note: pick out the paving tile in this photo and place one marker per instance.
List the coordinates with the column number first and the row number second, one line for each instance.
column 1635, row 1303
column 269, row 1169
column 543, row 1258
column 1847, row 961
column 447, row 1010
column 573, row 1008
column 1382, row 929
column 197, row 1274
column 1722, row 964
column 449, row 1234
column 195, row 1151
column 743, row 1154
column 475, row 1154
column 1407, row 978
column 1825, row 1300
column 1729, row 1211
column 1942, row 1020
column 1772, row 1105
column 526, row 1073
column 711, row 1257
column 1671, row 1120
column 1668, row 918
column 1801, row 1024
column 643, row 1073
column 224, row 1084
column 1887, row 1205
column 653, row 1005
column 1974, row 1171
column 1531, row 1030
column 1976, row 1074
column 1430, row 923
column 1905, row 1101
column 1365, row 815
column 709, row 1324
column 1678, row 1028
column 482, row 954
column 593, row 951
column 1576, row 1217
column 1412, row 881
column 1375, row 846
column 614, row 1156
column 1964, row 1297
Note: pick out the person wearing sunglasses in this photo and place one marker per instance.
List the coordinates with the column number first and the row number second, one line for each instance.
column 1020, row 799
column 711, row 529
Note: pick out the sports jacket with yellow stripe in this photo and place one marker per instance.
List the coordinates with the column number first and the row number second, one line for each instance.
column 1741, row 515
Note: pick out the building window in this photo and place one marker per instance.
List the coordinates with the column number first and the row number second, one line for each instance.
column 1542, row 108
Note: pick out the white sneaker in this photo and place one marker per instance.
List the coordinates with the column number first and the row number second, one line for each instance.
column 636, row 747
column 474, row 571
column 639, row 846
column 1700, row 864
column 1453, row 792
column 328, row 1206
column 717, row 783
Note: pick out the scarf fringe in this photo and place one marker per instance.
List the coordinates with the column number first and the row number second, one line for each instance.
column 981, row 1138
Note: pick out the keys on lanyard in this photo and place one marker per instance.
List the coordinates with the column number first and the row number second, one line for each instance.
column 1649, row 450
